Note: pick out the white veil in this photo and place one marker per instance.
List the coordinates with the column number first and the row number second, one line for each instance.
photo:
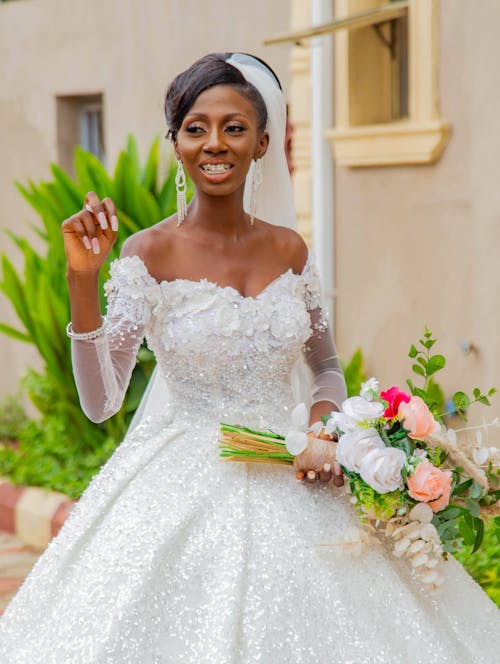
column 274, row 204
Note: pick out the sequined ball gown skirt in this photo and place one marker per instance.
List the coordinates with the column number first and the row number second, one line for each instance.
column 173, row 556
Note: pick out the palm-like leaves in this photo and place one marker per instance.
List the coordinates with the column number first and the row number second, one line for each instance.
column 39, row 294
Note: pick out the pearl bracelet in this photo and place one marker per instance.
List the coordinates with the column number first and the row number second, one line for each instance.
column 87, row 336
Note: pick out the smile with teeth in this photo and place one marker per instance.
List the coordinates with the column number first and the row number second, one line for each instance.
column 216, row 168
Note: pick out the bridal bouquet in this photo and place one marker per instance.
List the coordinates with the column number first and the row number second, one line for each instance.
column 418, row 483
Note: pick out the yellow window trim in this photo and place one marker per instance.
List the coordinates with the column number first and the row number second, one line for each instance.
column 381, row 14
column 389, row 144
column 419, row 139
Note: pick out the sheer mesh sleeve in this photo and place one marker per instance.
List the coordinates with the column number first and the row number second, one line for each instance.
column 103, row 367
column 320, row 351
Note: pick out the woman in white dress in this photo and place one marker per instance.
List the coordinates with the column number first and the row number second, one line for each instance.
column 171, row 555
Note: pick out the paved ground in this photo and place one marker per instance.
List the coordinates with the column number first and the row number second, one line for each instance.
column 16, row 560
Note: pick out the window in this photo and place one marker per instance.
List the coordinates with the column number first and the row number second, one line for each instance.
column 79, row 122
column 386, row 109
column 385, row 83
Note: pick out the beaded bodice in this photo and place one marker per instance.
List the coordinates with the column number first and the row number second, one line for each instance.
column 222, row 354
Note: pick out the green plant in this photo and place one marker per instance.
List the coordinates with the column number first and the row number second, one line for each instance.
column 354, row 373
column 484, row 565
column 39, row 295
column 12, row 418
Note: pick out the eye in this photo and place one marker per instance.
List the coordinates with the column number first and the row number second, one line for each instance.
column 194, row 129
column 235, row 128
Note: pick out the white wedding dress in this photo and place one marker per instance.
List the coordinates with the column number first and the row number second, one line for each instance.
column 175, row 556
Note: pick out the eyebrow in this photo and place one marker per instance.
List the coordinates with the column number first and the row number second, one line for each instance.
column 228, row 116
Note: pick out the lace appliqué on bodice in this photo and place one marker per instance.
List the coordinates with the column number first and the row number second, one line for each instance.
column 220, row 352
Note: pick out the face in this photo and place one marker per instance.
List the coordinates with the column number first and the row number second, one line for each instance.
column 218, row 139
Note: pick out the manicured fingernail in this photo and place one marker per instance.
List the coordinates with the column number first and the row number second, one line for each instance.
column 327, row 467
column 87, row 207
column 311, row 475
column 102, row 220
column 95, row 246
column 300, row 475
column 114, row 222
column 86, row 242
column 336, row 468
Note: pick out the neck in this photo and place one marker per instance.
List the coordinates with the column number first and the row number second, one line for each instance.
column 223, row 215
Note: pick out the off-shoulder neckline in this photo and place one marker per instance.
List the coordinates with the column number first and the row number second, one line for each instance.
column 167, row 283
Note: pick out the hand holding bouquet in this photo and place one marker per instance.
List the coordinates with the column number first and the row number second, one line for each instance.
column 423, row 486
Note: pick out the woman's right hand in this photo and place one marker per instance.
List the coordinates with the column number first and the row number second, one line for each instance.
column 90, row 234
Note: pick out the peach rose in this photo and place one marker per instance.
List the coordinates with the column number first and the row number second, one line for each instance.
column 430, row 485
column 418, row 419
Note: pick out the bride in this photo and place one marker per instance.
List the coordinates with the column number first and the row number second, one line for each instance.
column 171, row 555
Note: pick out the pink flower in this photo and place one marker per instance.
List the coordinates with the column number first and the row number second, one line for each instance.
column 418, row 419
column 394, row 396
column 430, row 485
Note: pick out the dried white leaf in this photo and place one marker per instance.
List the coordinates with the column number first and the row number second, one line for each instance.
column 480, row 455
column 452, row 436
column 421, row 512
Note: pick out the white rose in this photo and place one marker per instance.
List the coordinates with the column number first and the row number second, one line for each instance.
column 381, row 469
column 355, row 445
column 360, row 410
column 296, row 439
column 369, row 389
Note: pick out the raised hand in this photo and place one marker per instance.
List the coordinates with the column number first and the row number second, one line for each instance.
column 90, row 234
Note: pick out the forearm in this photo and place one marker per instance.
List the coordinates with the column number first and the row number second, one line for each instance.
column 84, row 300
column 319, row 409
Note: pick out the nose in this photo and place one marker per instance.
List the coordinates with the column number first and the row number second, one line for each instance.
column 215, row 140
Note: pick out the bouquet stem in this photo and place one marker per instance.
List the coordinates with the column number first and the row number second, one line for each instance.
column 237, row 443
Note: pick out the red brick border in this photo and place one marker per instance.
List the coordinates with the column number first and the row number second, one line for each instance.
column 49, row 509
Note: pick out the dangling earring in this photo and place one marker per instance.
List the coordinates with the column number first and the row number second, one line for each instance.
column 256, row 182
column 181, row 188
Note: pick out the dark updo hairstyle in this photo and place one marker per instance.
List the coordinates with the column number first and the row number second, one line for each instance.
column 205, row 73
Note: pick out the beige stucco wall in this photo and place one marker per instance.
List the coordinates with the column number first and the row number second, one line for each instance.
column 421, row 245
column 126, row 49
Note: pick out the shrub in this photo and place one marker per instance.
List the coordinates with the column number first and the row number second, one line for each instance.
column 39, row 296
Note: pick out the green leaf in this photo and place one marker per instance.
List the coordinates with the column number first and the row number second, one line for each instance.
column 476, row 392
column 461, row 401
column 429, row 343
column 476, row 491
column 354, row 373
column 479, row 534
column 436, row 363
column 15, row 334
column 462, row 488
column 467, row 532
column 450, row 512
column 418, row 370
column 150, row 173
column 484, row 400
column 413, row 352
column 473, row 507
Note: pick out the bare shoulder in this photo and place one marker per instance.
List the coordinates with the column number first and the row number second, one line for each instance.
column 147, row 242
column 289, row 246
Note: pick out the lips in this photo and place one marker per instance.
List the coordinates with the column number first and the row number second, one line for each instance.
column 216, row 171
